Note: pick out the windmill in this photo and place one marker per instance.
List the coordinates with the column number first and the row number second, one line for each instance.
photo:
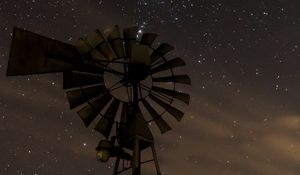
column 112, row 79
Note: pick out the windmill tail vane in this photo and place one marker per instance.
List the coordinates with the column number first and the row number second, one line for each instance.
column 112, row 79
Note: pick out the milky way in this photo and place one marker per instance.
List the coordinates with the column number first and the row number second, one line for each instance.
column 243, row 58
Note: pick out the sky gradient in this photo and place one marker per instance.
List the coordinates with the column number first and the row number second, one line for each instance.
column 243, row 58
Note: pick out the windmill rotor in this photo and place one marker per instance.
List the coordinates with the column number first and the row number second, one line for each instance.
column 107, row 73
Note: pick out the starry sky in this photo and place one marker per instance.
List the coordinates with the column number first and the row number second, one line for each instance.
column 242, row 56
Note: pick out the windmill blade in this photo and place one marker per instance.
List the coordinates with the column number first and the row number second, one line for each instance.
column 82, row 46
column 76, row 79
column 114, row 38
column 148, row 38
column 90, row 111
column 130, row 33
column 176, row 62
column 106, row 50
column 106, row 122
column 31, row 53
column 97, row 56
column 184, row 79
column 159, row 121
column 86, row 49
column 95, row 40
column 140, row 54
column 124, row 113
column 79, row 96
column 175, row 94
column 162, row 49
column 176, row 113
column 92, row 40
column 130, row 39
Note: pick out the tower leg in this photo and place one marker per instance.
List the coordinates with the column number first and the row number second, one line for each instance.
column 116, row 166
column 155, row 159
column 136, row 165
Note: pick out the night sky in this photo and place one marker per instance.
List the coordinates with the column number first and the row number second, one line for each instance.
column 243, row 57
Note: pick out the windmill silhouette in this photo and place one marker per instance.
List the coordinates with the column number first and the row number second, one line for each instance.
column 116, row 77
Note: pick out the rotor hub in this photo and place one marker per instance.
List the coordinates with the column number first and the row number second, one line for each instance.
column 136, row 72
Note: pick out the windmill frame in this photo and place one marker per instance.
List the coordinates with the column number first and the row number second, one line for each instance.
column 83, row 66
